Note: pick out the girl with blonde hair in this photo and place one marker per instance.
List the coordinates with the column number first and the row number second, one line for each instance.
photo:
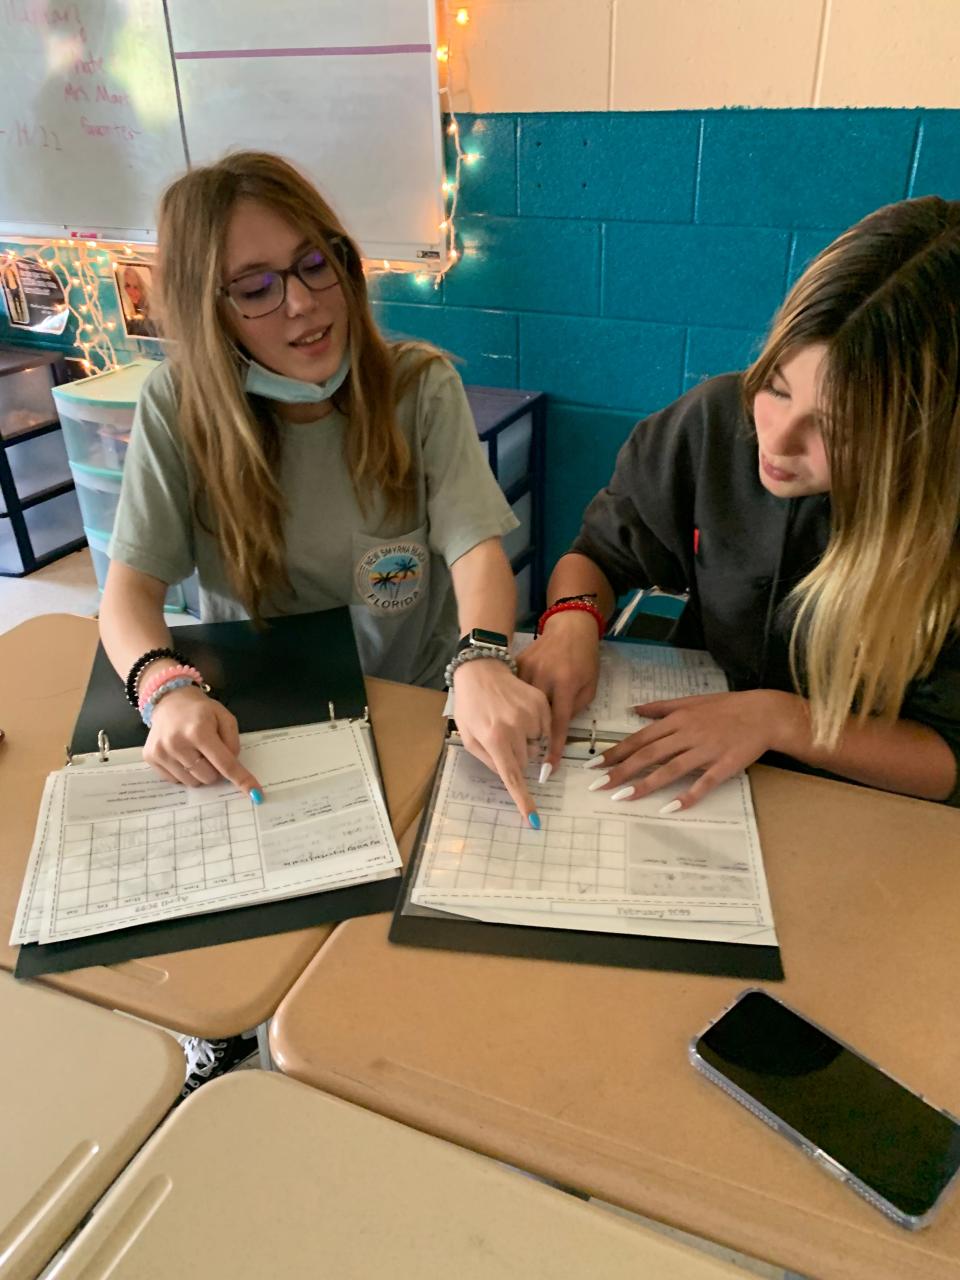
column 298, row 462
column 810, row 507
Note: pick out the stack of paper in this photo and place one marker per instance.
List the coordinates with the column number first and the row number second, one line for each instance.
column 597, row 864
column 116, row 846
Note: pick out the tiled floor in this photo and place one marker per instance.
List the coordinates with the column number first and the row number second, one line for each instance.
column 66, row 586
column 69, row 586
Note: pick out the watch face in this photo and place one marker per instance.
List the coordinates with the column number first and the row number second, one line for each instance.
column 479, row 636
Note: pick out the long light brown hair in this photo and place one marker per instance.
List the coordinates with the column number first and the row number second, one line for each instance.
column 232, row 439
column 874, row 613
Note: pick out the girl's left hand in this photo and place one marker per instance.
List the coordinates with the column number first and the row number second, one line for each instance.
column 714, row 735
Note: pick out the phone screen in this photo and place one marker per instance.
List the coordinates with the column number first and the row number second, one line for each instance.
column 886, row 1136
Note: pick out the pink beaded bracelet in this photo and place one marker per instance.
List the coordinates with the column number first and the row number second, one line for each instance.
column 153, row 682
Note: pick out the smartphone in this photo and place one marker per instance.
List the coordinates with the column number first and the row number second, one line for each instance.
column 868, row 1130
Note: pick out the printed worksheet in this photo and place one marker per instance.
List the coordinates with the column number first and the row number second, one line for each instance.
column 118, row 846
column 631, row 674
column 618, row 867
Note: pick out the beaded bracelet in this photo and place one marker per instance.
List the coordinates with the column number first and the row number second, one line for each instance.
column 470, row 655
column 130, row 684
column 152, row 683
column 577, row 606
column 147, row 710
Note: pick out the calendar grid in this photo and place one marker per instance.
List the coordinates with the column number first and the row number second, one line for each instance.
column 484, row 848
column 140, row 859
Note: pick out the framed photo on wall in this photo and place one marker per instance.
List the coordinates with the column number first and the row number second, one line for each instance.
column 134, row 281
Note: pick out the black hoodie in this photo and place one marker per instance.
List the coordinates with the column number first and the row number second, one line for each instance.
column 685, row 511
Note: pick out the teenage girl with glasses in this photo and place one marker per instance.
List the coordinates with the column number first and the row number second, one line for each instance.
column 811, row 509
column 298, row 462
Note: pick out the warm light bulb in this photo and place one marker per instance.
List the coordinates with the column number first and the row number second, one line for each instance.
column 386, row 265
column 443, row 225
column 443, row 53
column 471, row 157
column 452, row 128
column 446, row 188
column 463, row 17
column 454, row 255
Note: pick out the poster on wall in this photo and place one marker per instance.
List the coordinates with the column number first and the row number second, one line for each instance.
column 134, row 281
column 33, row 295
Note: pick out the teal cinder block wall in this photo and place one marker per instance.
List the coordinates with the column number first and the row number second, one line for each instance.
column 615, row 259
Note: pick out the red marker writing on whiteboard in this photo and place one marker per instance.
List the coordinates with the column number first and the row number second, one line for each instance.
column 85, row 235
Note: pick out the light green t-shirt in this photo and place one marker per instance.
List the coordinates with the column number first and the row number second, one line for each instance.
column 394, row 574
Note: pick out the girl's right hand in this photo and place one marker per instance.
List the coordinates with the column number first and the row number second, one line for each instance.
column 564, row 663
column 195, row 740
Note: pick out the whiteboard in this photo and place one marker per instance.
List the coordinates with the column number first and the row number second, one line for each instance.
column 348, row 91
column 103, row 102
column 89, row 127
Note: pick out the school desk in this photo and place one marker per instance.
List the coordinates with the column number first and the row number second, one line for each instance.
column 580, row 1073
column 257, row 1175
column 80, row 1091
column 216, row 991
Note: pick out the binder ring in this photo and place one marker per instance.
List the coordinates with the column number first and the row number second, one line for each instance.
column 103, row 747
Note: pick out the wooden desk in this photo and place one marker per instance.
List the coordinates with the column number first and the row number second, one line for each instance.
column 80, row 1090
column 580, row 1073
column 216, row 991
column 256, row 1175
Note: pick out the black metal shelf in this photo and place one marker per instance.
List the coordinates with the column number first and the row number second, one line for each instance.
column 495, row 411
column 13, row 361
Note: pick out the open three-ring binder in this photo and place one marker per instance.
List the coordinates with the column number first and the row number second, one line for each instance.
column 601, row 882
column 125, row 865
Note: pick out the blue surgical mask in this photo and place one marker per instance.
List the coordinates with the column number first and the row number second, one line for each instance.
column 277, row 386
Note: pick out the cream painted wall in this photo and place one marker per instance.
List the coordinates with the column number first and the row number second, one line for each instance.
column 664, row 55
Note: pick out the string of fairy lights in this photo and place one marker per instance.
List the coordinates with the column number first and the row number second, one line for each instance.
column 79, row 264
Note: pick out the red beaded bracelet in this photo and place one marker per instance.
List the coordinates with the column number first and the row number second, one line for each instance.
column 581, row 606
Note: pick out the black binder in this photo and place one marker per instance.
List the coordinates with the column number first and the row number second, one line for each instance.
column 418, row 926
column 299, row 670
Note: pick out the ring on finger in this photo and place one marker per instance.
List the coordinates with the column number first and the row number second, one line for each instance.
column 190, row 767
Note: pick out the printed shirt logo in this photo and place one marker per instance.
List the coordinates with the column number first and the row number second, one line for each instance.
column 391, row 578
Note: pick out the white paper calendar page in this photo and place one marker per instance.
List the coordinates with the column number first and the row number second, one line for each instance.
column 595, row 864
column 118, row 846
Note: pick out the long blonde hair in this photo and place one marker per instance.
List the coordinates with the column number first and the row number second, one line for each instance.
column 874, row 613
column 232, row 440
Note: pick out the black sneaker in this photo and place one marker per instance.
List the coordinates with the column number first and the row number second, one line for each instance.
column 207, row 1059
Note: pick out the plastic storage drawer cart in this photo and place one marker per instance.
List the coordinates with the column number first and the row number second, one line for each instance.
column 39, row 515
column 97, row 416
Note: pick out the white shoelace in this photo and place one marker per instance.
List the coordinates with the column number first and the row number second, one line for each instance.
column 200, row 1056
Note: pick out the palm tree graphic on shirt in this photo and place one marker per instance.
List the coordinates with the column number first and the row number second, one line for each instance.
column 392, row 572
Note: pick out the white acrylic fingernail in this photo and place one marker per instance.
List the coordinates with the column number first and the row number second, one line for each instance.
column 599, row 782
column 673, row 807
column 545, row 771
column 623, row 794
column 597, row 762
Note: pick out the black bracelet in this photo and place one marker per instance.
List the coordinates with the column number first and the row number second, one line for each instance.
column 130, row 684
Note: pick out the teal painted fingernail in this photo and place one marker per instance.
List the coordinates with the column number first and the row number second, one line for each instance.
column 534, row 820
column 256, row 795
